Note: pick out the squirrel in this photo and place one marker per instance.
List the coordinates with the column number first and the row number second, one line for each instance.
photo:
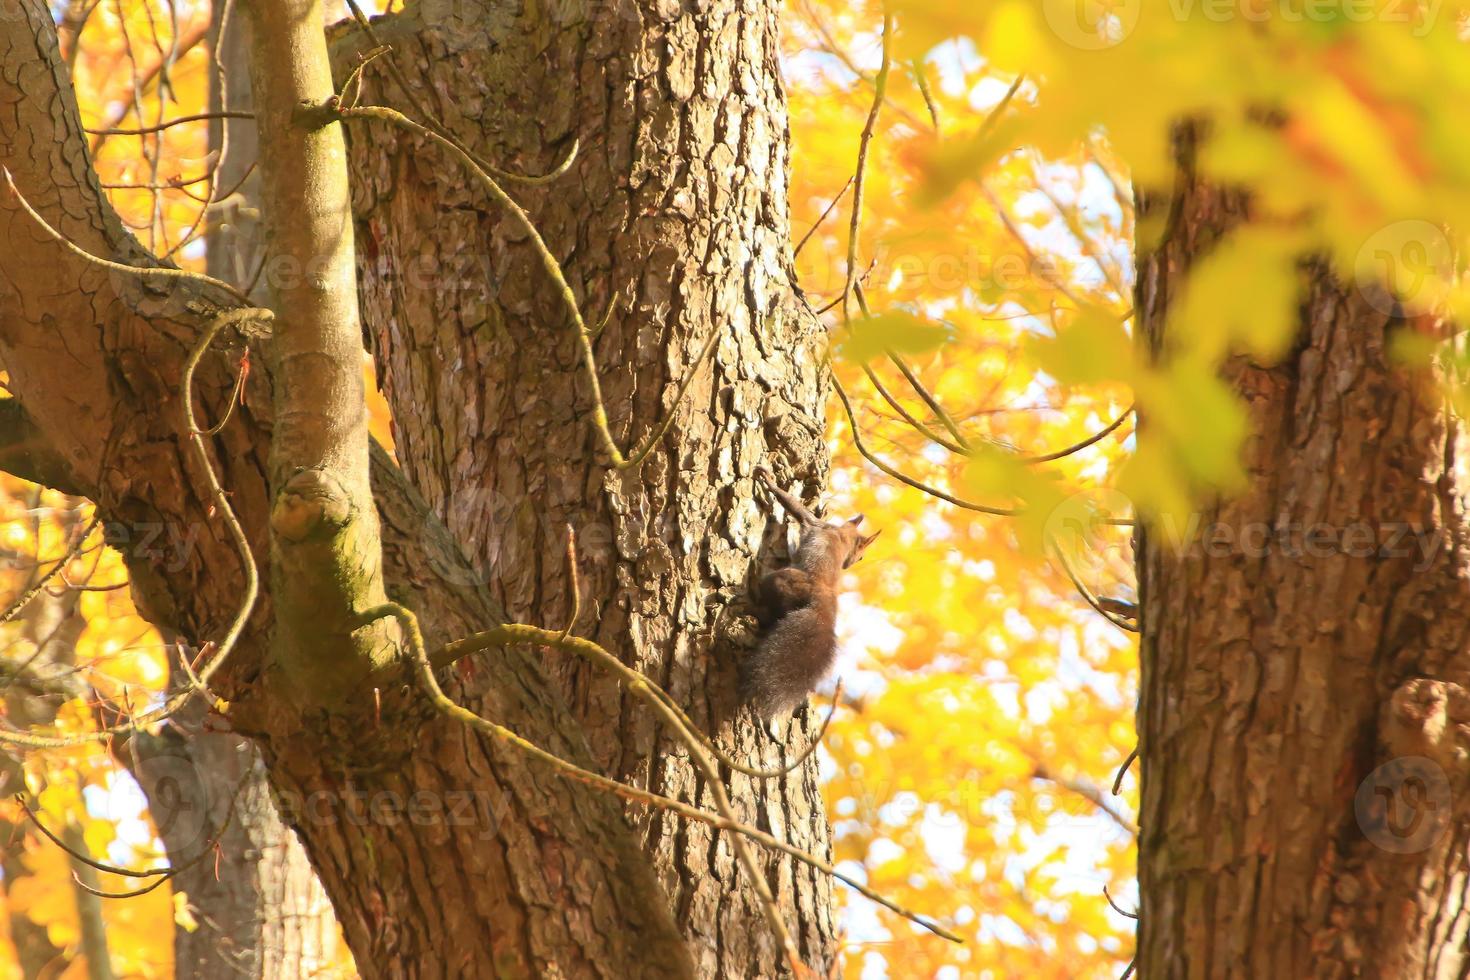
column 797, row 606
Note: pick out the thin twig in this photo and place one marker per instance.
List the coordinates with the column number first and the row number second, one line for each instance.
column 1123, row 771
column 635, row 680
column 162, row 874
column 1079, row 446
column 1093, row 251
column 1045, row 270
column 576, row 581
column 212, row 194
column 1086, row 593
column 880, row 86
column 926, row 431
column 862, row 448
column 826, row 212
column 185, row 45
column 24, row 599
column 83, row 858
column 167, row 123
column 158, row 272
column 928, row 398
column 1090, row 793
column 1116, row 908
column 235, row 396
column 916, row 68
column 830, row 46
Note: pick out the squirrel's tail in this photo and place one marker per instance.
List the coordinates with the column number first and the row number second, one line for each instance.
column 791, row 660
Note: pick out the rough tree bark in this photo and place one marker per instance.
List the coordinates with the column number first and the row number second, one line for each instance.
column 441, row 850
column 1316, row 632
column 673, row 212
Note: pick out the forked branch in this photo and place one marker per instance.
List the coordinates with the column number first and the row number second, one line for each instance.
column 247, row 320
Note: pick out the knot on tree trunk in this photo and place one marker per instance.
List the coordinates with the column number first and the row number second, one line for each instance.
column 1430, row 718
column 313, row 503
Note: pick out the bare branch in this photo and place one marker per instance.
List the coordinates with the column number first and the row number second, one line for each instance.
column 862, row 448
column 1079, row 446
column 1087, row 594
column 880, row 86
column 1090, row 793
column 161, row 875
column 55, row 570
column 1123, row 771
column 821, row 218
column 167, row 123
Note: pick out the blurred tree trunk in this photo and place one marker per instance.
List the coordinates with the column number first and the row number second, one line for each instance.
column 1303, row 705
column 33, row 697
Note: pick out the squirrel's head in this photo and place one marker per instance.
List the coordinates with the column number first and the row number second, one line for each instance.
column 855, row 540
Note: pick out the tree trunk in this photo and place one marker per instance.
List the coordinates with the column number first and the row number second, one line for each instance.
column 32, row 697
column 1303, row 711
column 442, row 850
column 674, row 212
column 260, row 911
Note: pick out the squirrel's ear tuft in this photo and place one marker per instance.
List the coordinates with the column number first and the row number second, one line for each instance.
column 855, row 521
column 859, row 547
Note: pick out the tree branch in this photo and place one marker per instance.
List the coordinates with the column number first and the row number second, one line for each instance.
column 26, row 453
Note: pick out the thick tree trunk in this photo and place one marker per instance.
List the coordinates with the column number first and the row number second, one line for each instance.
column 1303, row 711
column 492, row 423
column 443, row 851
column 674, row 213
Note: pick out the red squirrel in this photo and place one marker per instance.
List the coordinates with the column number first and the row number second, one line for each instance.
column 797, row 605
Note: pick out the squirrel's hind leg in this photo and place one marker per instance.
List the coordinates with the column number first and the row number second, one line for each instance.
column 778, row 593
